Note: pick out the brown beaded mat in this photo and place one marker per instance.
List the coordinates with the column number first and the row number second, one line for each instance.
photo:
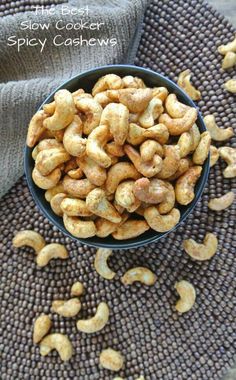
column 155, row 341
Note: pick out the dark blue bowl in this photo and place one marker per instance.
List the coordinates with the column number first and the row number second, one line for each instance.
column 86, row 81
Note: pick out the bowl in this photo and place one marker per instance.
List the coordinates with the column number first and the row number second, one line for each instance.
column 86, row 80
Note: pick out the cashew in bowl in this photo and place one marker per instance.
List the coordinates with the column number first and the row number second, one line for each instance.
column 230, row 46
column 161, row 223
column 97, row 322
column 98, row 204
column 137, row 134
column 229, row 155
column 49, row 252
column 111, row 359
column 46, row 182
column 75, row 173
column 115, row 150
column 68, row 309
column 116, row 116
column 175, row 108
column 169, row 201
column 187, row 295
column 221, row 203
column 179, row 125
column 94, row 172
column 107, row 82
column 184, row 187
column 139, row 274
column 78, row 227
column 73, row 141
column 91, row 113
column 186, row 85
column 136, row 100
column 100, row 263
column 118, row 173
column 214, row 155
column 77, row 289
column 170, row 162
column 201, row 252
column 130, row 229
column 151, row 113
column 95, row 145
column 74, row 207
column 42, row 326
column 77, row 188
column 184, row 165
column 58, row 342
column 125, row 196
column 150, row 191
column 217, row 134
column 29, row 238
column 229, row 60
column 36, row 128
column 189, row 141
column 55, row 203
column 49, row 159
column 104, row 227
column 133, row 82
column 146, row 168
column 230, row 86
column 149, row 148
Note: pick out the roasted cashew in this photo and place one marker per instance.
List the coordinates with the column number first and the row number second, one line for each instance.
column 74, row 207
column 171, row 161
column 102, row 98
column 104, row 227
column 75, row 173
column 35, row 128
column 150, row 191
column 116, row 116
column 118, row 173
column 203, row 251
column 111, row 359
column 160, row 93
column 64, row 111
column 125, row 196
column 229, row 155
column 79, row 228
column 179, row 125
column 203, row 148
column 49, row 252
column 140, row 274
column 136, row 100
column 137, row 135
column 151, row 113
column 94, row 172
column 214, row 155
column 58, row 135
column 221, row 203
column 115, row 150
column 77, row 289
column 230, row 46
column 97, row 322
column 230, row 85
column 100, row 263
column 107, row 82
column 49, row 108
column 45, row 145
column 29, row 238
column 46, row 182
column 168, row 203
column 175, row 108
column 229, row 60
column 49, row 194
column 186, row 85
column 187, row 295
column 68, row 309
column 95, row 145
column 146, row 168
column 217, row 134
column 49, row 159
column 73, row 141
column 149, row 148
column 55, row 203
column 60, row 343
column 91, row 112
column 42, row 326
column 130, row 229
column 189, row 141
column 184, row 187
column 161, row 223
column 98, row 204
column 77, row 187
column 133, row 82
column 184, row 165
column 133, row 117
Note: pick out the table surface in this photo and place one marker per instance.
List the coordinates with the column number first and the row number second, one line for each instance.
column 226, row 7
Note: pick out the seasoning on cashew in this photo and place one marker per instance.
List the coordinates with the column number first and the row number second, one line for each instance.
column 116, row 116
column 97, row 322
column 100, row 263
column 161, row 223
column 136, row 100
column 95, row 145
column 175, row 108
column 223, row 202
column 111, row 359
column 49, row 252
column 204, row 251
column 91, row 112
column 149, row 148
column 118, row 173
column 104, row 227
column 46, row 182
column 73, row 141
column 58, row 342
column 74, row 207
column 229, row 156
column 78, row 188
column 29, row 238
column 187, row 295
column 186, row 85
column 68, row 309
column 42, row 326
column 49, row 159
column 78, row 227
column 217, row 134
column 93, row 171
column 125, row 197
column 179, row 125
column 152, row 112
column 150, row 190
column 170, row 162
column 49, row 194
column 137, row 134
column 184, row 187
column 107, row 82
column 139, row 274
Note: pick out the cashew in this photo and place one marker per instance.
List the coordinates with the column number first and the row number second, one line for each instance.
column 137, row 135
column 187, row 295
column 55, row 203
column 189, row 141
column 94, row 172
column 140, row 274
column 68, row 308
column 95, row 145
column 35, row 128
column 115, row 150
column 133, row 117
column 77, row 188
column 160, row 93
column 125, row 196
column 217, row 134
column 100, row 263
column 184, row 165
column 146, row 168
column 229, row 155
column 50, row 107
column 49, row 194
column 136, row 100
column 46, row 182
column 71, row 164
column 64, row 111
column 49, row 159
column 107, row 82
column 184, row 187
column 77, row 289
column 171, row 161
column 42, row 326
column 130, row 229
column 203, row 148
column 221, row 203
column 97, row 322
column 75, row 173
column 59, row 135
column 229, row 60
column 118, row 173
column 179, row 125
column 91, row 113
column 98, row 204
column 46, row 144
column 149, row 148
column 186, row 85
column 49, row 252
column 74, row 207
column 161, row 223
column 168, row 203
column 72, row 139
column 29, row 238
column 102, row 98
column 150, row 191
column 230, row 85
column 230, row 46
column 111, row 359
column 133, row 82
column 174, row 108
column 60, row 343
column 116, row 116
column 79, row 228
column 105, row 227
column 201, row 252
column 151, row 113
column 214, row 155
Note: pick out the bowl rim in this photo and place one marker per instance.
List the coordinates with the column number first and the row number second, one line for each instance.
column 136, row 243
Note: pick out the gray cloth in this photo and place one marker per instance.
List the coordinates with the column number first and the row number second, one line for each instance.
column 28, row 76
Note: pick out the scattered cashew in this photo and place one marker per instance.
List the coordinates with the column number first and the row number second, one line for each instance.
column 161, row 223
column 230, row 85
column 230, row 46
column 133, row 82
column 174, row 108
column 137, row 135
column 217, row 134
column 68, row 308
column 77, row 289
column 104, row 227
column 146, row 168
column 187, row 295
column 130, row 229
column 118, row 173
column 94, row 172
column 229, row 60
column 73, row 141
column 179, row 125
column 64, row 111
column 202, row 151
column 229, row 155
column 29, row 238
column 214, row 155
column 79, row 228
column 150, row 191
column 49, row 159
column 186, row 85
column 46, row 182
column 107, row 82
column 151, row 113
column 91, row 113
column 100, row 263
column 42, row 326
column 184, row 187
column 111, row 359
column 77, row 187
column 95, row 145
column 140, row 274
column 97, row 322
column 116, row 116
column 149, row 148
column 60, row 343
column 55, row 203
column 221, row 203
column 160, row 93
column 136, row 100
column 49, row 252
column 125, row 196
column 171, row 161
column 36, row 128
column 98, row 204
column 74, row 207
column 203, row 251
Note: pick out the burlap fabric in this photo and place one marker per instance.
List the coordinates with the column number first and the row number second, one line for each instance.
column 154, row 339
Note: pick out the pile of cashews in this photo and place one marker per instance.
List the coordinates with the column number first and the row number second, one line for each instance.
column 118, row 160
